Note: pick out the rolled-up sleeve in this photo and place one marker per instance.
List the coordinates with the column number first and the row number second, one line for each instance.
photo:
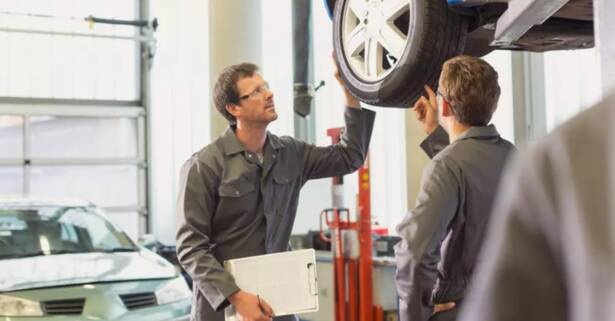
column 422, row 231
column 347, row 155
column 195, row 209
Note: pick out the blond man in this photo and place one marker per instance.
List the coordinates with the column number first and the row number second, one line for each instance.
column 443, row 233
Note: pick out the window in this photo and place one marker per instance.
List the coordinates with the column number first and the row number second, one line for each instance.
column 104, row 185
column 98, row 159
column 83, row 137
column 32, row 231
column 11, row 133
column 101, row 234
column 11, row 179
column 43, row 58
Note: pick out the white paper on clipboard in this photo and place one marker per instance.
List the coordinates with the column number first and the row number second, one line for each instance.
column 286, row 280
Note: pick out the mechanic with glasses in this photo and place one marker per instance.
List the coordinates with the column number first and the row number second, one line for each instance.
column 442, row 235
column 238, row 195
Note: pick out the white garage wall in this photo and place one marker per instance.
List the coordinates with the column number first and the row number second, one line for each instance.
column 571, row 89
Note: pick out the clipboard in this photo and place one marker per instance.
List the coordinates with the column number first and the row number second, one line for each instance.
column 285, row 280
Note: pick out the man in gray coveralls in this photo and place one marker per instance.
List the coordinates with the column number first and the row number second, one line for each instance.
column 239, row 194
column 459, row 185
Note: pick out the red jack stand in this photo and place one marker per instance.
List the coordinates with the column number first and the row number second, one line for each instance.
column 352, row 251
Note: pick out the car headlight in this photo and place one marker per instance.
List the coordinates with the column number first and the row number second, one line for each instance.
column 173, row 291
column 18, row 307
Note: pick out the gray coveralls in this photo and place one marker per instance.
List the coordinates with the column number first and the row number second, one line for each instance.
column 230, row 205
column 443, row 233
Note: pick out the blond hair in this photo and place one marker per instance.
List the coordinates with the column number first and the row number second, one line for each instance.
column 471, row 87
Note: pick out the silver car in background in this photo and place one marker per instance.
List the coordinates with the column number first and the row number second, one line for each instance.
column 64, row 260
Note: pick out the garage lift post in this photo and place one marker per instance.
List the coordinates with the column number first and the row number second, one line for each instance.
column 352, row 249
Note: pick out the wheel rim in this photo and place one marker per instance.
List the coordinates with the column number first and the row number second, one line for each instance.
column 374, row 35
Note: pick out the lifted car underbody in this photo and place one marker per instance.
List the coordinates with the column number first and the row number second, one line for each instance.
column 571, row 27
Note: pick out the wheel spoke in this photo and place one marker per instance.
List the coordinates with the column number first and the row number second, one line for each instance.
column 356, row 40
column 392, row 9
column 358, row 7
column 371, row 30
column 373, row 58
column 392, row 40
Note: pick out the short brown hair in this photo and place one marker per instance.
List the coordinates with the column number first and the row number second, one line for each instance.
column 225, row 90
column 471, row 88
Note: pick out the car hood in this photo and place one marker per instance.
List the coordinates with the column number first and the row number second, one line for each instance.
column 69, row 269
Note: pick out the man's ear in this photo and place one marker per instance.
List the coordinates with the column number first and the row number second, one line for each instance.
column 232, row 109
column 446, row 108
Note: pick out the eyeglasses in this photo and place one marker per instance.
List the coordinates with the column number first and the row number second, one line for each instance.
column 439, row 93
column 256, row 92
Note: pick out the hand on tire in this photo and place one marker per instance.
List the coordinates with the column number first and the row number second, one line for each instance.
column 426, row 111
column 250, row 307
column 351, row 101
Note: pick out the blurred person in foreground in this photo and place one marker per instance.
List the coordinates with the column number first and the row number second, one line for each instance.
column 551, row 247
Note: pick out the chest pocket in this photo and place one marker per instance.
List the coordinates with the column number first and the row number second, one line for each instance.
column 283, row 176
column 281, row 179
column 236, row 188
column 238, row 198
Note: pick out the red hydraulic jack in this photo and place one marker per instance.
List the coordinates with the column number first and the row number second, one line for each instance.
column 352, row 251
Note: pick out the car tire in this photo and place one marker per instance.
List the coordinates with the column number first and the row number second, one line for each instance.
column 371, row 71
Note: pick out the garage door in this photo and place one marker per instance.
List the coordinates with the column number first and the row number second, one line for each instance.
column 72, row 117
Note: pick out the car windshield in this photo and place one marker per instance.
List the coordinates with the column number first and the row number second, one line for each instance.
column 58, row 230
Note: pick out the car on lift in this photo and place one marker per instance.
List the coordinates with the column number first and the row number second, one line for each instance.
column 64, row 260
column 388, row 49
